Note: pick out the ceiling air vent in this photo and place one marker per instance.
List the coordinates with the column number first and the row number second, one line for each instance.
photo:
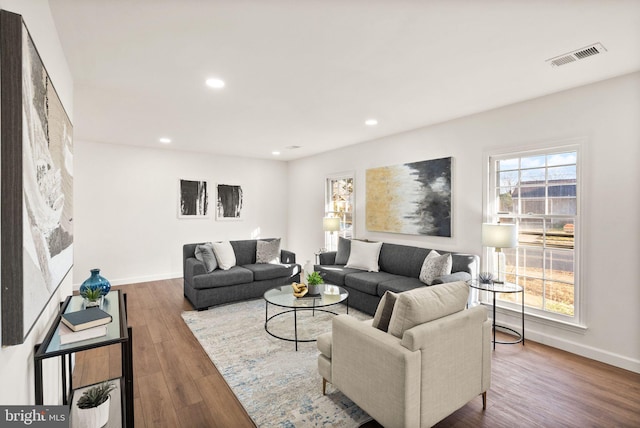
column 576, row 55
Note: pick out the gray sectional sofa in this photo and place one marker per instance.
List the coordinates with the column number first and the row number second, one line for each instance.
column 246, row 280
column 399, row 271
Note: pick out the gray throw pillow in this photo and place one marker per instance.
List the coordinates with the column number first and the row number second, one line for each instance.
column 268, row 251
column 344, row 250
column 204, row 253
column 385, row 309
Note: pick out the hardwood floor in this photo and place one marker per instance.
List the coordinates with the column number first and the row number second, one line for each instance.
column 177, row 385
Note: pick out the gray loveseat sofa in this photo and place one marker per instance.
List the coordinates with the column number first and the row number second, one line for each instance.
column 246, row 280
column 399, row 271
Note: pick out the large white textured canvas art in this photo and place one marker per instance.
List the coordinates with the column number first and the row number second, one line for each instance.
column 412, row 198
column 37, row 184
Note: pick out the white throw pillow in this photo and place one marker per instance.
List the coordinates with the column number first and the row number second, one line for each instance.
column 225, row 255
column 364, row 255
column 434, row 266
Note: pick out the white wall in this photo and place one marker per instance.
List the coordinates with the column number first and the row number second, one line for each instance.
column 126, row 208
column 605, row 114
column 16, row 362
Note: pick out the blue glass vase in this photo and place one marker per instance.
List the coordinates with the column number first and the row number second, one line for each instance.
column 96, row 281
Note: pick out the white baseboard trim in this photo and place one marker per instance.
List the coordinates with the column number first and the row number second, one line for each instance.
column 513, row 321
column 138, row 279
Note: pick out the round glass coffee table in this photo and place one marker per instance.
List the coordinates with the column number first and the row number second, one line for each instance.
column 283, row 297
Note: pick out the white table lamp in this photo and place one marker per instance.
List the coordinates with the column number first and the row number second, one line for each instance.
column 499, row 236
column 330, row 225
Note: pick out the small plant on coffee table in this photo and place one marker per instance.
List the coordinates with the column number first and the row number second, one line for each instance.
column 313, row 280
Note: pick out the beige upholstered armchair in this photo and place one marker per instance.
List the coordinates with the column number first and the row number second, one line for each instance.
column 434, row 358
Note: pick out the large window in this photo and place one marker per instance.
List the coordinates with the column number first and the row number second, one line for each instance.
column 339, row 202
column 539, row 191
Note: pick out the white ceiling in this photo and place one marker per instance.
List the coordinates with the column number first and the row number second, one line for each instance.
column 309, row 72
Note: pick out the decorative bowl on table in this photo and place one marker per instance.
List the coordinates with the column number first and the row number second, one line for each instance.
column 485, row 277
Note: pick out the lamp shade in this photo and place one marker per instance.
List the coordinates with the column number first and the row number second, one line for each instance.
column 331, row 224
column 499, row 235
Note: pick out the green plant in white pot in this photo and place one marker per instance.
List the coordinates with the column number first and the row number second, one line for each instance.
column 93, row 405
column 91, row 296
column 313, row 281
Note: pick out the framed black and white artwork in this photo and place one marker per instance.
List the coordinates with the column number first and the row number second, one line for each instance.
column 36, row 138
column 193, row 199
column 229, row 202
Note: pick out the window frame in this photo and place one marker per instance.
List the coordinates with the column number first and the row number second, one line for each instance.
column 490, row 214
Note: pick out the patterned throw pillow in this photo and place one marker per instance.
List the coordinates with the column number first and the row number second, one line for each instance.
column 435, row 265
column 268, row 251
column 385, row 309
column 204, row 253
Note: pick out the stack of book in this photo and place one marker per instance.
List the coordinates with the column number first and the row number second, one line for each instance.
column 82, row 325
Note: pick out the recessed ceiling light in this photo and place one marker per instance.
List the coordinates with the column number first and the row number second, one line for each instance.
column 371, row 122
column 275, row 153
column 165, row 140
column 215, row 83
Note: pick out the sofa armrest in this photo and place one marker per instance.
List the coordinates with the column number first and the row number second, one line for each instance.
column 287, row 257
column 366, row 361
column 454, row 277
column 328, row 258
column 192, row 268
column 469, row 263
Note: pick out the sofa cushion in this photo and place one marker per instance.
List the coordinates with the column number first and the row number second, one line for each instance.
column 223, row 278
column 435, row 265
column 245, row 251
column 333, row 274
column 367, row 282
column 204, row 253
column 344, row 249
column 399, row 284
column 402, row 259
column 268, row 251
column 364, row 255
column 263, row 271
column 425, row 304
column 383, row 312
column 224, row 254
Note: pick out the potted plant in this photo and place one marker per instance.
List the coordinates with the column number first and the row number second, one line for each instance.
column 91, row 296
column 93, row 405
column 313, row 280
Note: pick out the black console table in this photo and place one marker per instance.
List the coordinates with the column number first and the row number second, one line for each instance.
column 117, row 333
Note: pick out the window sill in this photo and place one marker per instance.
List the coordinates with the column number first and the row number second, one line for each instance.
column 515, row 311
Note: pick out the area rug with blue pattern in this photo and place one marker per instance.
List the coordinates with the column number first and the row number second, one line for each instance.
column 277, row 386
